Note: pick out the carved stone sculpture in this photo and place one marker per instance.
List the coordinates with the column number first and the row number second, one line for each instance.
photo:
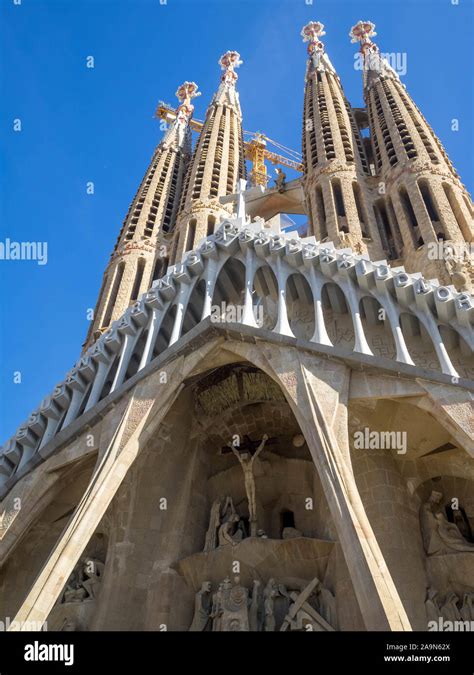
column 269, row 608
column 433, row 611
column 74, row 591
column 254, row 606
column 451, row 536
column 226, row 531
column 202, row 608
column 467, row 609
column 92, row 572
column 439, row 535
column 233, row 609
column 216, row 611
column 450, row 611
column 235, row 615
column 214, row 522
column 246, row 461
column 84, row 582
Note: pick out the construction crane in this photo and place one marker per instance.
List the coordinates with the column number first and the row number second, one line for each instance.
column 255, row 148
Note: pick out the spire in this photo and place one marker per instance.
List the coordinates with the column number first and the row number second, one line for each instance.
column 137, row 258
column 227, row 94
column 217, row 164
column 318, row 60
column 334, row 158
column 374, row 64
column 178, row 135
column 425, row 202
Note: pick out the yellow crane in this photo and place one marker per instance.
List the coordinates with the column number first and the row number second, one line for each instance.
column 255, row 148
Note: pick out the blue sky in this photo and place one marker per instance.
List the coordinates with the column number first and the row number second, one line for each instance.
column 80, row 125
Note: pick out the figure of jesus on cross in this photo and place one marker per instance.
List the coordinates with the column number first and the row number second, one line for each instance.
column 246, row 460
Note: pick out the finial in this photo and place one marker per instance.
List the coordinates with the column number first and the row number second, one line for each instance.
column 228, row 62
column 311, row 33
column 185, row 93
column 362, row 32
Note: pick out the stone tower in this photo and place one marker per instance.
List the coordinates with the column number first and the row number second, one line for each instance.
column 423, row 210
column 319, row 434
column 335, row 163
column 217, row 164
column 140, row 253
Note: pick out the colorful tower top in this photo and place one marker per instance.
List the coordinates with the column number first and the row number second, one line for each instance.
column 374, row 64
column 226, row 93
column 317, row 58
column 179, row 133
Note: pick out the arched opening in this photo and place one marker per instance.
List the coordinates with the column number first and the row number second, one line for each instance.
column 361, row 211
column 135, row 359
column 161, row 265
column 113, row 294
column 418, row 341
column 388, row 236
column 340, row 206
column 287, row 520
column 337, row 317
column 223, row 514
column 138, row 279
column 461, row 355
column 265, row 297
column 211, row 224
column 377, row 329
column 110, row 377
column 228, row 296
column 410, row 217
column 461, row 220
column 190, row 235
column 194, row 308
column 300, row 306
column 164, row 334
column 431, row 208
column 322, row 230
column 55, row 509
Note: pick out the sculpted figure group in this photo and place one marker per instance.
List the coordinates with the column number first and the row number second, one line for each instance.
column 440, row 537
column 272, row 607
column 84, row 582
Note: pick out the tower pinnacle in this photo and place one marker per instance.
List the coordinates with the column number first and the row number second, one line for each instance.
column 374, row 64
column 317, row 58
column 179, row 132
column 226, row 93
column 229, row 62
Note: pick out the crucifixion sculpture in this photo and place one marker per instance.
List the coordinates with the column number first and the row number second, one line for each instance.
column 246, row 460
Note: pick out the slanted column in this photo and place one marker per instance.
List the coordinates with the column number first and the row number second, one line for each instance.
column 52, row 412
column 318, row 393
column 103, row 351
column 246, row 239
column 209, row 252
column 277, row 250
column 181, row 303
column 152, row 300
column 77, row 385
column 346, row 269
column 316, row 281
